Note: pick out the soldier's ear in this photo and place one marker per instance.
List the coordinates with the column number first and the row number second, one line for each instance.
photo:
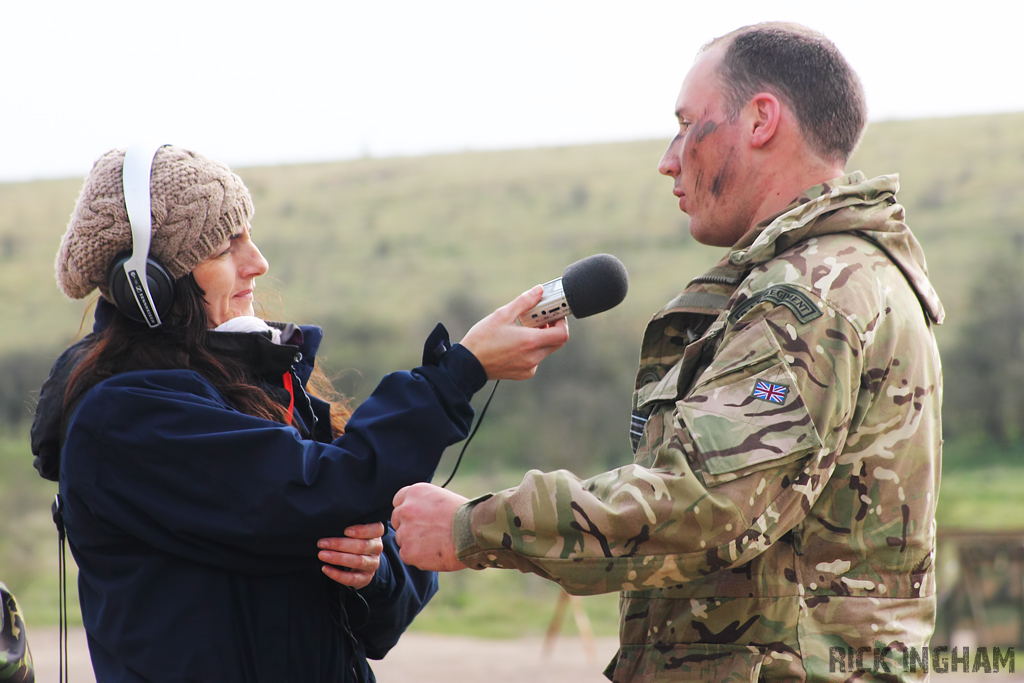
column 764, row 112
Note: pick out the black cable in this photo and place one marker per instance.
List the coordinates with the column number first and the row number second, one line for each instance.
column 62, row 590
column 63, row 675
column 479, row 420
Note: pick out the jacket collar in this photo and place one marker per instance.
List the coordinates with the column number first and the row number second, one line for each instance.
column 297, row 350
column 301, row 343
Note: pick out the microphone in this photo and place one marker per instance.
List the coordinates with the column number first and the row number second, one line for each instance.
column 588, row 286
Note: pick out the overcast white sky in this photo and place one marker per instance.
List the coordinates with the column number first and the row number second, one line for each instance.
column 257, row 82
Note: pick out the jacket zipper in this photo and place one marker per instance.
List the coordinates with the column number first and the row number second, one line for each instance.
column 715, row 280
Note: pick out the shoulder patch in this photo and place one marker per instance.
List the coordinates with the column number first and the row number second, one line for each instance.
column 793, row 298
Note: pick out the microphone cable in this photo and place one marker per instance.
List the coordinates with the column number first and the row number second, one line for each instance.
column 57, row 510
column 476, row 427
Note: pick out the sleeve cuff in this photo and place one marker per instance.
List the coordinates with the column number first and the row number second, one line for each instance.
column 462, row 531
column 456, row 360
column 464, row 369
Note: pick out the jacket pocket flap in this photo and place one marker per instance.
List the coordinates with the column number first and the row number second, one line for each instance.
column 663, row 390
column 746, row 412
column 672, row 386
column 748, row 347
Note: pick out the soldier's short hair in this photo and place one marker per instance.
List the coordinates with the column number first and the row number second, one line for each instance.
column 805, row 70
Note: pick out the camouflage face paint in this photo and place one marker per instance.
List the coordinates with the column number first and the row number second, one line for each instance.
column 705, row 129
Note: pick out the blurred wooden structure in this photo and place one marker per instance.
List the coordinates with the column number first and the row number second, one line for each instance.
column 582, row 624
column 980, row 579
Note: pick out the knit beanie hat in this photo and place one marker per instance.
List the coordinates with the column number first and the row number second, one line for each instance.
column 196, row 204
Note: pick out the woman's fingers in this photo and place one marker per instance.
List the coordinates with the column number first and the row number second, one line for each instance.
column 372, row 530
column 355, row 562
column 348, row 578
column 353, row 559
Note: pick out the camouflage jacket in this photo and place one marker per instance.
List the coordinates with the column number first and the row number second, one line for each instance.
column 778, row 519
column 15, row 656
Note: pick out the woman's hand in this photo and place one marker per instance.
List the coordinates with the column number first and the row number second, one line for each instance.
column 508, row 350
column 358, row 553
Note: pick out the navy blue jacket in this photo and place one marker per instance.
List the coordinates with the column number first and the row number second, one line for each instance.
column 194, row 526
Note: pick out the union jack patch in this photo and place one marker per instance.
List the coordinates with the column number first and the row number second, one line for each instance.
column 767, row 391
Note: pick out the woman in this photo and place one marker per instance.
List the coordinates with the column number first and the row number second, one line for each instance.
column 198, row 467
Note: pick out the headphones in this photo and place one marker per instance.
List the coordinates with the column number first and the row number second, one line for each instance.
column 144, row 299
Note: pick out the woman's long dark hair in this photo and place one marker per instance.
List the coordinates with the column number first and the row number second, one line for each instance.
column 180, row 344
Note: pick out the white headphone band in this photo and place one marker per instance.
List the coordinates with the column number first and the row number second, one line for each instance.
column 135, row 179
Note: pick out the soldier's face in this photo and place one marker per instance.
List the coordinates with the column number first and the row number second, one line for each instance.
column 706, row 158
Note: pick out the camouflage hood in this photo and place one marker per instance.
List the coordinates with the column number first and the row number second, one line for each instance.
column 850, row 203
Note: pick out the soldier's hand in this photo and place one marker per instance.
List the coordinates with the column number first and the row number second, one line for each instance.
column 422, row 520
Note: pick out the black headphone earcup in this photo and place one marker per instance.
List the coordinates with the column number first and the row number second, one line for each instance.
column 161, row 288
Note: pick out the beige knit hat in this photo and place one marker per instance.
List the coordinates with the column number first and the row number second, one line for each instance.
column 196, row 204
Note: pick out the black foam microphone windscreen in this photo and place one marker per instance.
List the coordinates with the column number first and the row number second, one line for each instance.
column 588, row 286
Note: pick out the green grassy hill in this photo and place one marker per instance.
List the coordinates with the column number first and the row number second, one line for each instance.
column 375, row 246
column 377, row 250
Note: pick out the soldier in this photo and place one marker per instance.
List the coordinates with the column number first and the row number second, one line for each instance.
column 778, row 519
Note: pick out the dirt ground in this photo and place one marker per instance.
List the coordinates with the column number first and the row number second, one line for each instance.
column 418, row 657
column 427, row 658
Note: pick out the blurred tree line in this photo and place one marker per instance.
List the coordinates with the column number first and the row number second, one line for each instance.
column 983, row 367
